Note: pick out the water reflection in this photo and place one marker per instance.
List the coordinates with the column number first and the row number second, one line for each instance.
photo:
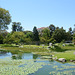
column 25, row 56
column 4, row 54
column 16, row 56
column 20, row 55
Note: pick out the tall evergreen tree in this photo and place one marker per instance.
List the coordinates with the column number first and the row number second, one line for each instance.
column 35, row 34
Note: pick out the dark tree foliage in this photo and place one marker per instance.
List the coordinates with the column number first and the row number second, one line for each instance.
column 21, row 28
column 35, row 34
column 16, row 26
column 1, row 39
column 61, row 27
column 70, row 30
column 59, row 35
column 5, row 19
column 57, row 27
column 52, row 29
column 68, row 36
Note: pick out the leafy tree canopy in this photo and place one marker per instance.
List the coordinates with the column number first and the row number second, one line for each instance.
column 46, row 33
column 16, row 26
column 52, row 29
column 5, row 19
column 59, row 35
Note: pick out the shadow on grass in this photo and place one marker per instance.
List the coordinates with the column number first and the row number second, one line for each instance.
column 58, row 49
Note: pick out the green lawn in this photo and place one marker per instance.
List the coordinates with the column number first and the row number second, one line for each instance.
column 25, row 48
column 67, row 51
column 68, row 55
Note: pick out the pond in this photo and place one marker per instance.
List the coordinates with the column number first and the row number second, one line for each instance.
column 32, row 64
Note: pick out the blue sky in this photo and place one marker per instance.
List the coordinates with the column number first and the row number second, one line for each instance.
column 41, row 13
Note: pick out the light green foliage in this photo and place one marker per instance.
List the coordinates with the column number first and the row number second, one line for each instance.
column 42, row 40
column 52, row 40
column 14, row 37
column 28, row 37
column 45, row 35
column 18, row 34
column 5, row 19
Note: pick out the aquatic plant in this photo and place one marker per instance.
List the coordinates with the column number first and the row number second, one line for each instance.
column 63, row 70
column 19, row 67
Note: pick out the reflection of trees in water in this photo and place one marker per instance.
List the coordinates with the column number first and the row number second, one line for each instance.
column 3, row 53
column 35, row 56
column 51, row 60
column 17, row 56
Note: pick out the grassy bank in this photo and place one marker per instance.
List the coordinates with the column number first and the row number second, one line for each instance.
column 67, row 51
column 68, row 55
column 24, row 48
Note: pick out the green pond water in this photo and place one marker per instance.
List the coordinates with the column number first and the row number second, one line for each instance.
column 32, row 64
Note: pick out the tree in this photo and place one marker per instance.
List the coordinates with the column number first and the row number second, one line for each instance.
column 16, row 37
column 16, row 26
column 43, row 40
column 35, row 34
column 57, row 27
column 74, row 38
column 29, row 35
column 52, row 40
column 52, row 29
column 59, row 35
column 1, row 39
column 68, row 36
column 61, row 27
column 46, row 35
column 3, row 33
column 25, row 32
column 5, row 19
column 70, row 30
column 21, row 28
